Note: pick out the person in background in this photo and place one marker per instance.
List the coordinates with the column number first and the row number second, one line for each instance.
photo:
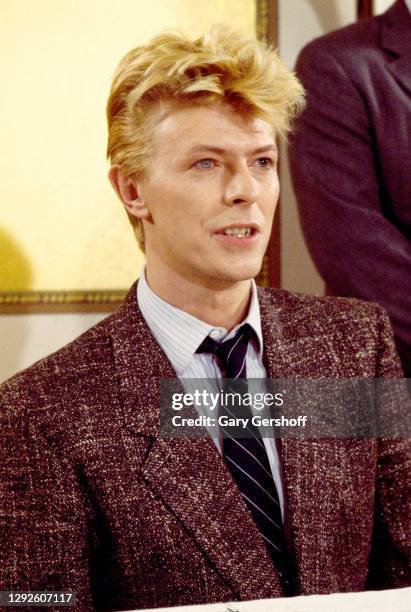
column 350, row 162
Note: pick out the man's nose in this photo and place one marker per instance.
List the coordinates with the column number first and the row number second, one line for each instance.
column 241, row 188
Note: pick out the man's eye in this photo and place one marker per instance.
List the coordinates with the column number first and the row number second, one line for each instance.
column 265, row 162
column 204, row 163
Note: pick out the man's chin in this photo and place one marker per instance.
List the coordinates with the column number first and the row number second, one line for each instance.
column 247, row 271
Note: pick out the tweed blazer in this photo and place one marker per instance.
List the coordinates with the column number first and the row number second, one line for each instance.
column 351, row 163
column 94, row 500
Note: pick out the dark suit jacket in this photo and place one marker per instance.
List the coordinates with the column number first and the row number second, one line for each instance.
column 351, row 163
column 93, row 500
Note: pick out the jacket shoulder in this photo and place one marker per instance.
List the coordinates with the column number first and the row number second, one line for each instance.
column 312, row 315
column 354, row 328
column 61, row 375
column 323, row 306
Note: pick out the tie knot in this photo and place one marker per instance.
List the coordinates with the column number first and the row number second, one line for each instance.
column 230, row 353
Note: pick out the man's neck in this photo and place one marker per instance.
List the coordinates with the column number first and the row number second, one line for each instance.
column 222, row 305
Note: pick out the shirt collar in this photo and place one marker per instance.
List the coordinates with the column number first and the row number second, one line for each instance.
column 179, row 333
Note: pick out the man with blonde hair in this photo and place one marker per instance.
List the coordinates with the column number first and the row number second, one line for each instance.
column 94, row 499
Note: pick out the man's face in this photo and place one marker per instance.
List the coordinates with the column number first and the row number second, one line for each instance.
column 211, row 192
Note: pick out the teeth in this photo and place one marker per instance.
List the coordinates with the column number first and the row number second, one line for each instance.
column 238, row 231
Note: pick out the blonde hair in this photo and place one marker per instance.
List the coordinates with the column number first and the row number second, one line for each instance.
column 223, row 65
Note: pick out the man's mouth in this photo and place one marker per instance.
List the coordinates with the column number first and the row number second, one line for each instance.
column 233, row 236
column 242, row 230
column 239, row 232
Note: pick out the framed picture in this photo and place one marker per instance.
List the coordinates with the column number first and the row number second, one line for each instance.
column 65, row 243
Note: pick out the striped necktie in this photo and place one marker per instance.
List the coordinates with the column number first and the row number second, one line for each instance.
column 246, row 458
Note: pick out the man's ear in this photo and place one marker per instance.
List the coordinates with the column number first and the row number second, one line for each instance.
column 127, row 190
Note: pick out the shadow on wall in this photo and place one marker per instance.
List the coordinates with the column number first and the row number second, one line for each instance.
column 15, row 268
column 15, row 275
column 327, row 14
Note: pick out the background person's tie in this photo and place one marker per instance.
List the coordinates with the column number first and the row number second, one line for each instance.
column 246, row 458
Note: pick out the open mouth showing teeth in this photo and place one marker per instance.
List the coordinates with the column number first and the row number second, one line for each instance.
column 238, row 232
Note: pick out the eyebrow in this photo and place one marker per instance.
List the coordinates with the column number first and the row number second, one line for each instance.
column 222, row 151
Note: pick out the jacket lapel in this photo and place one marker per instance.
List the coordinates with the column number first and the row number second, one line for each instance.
column 139, row 364
column 189, row 475
column 396, row 40
column 191, row 478
column 311, row 468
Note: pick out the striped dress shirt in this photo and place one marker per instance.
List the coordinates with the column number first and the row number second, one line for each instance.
column 180, row 334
